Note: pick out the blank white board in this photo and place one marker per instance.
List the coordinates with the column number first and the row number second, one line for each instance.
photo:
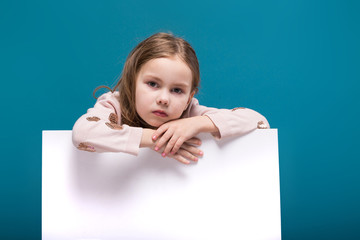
column 231, row 193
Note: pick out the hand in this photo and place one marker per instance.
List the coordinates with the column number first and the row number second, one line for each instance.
column 187, row 152
column 176, row 132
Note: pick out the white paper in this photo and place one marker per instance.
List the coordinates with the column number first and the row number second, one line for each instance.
column 231, row 193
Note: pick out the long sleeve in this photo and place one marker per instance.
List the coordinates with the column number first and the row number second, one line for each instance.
column 235, row 122
column 99, row 130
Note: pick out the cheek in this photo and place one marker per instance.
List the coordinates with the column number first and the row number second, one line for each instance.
column 139, row 101
column 181, row 106
column 143, row 100
column 139, row 96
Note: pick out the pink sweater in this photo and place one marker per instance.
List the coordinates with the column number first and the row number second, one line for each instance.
column 100, row 129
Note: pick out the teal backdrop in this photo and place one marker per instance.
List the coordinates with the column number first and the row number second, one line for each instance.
column 296, row 62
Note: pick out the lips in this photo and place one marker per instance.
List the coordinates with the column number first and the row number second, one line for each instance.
column 160, row 113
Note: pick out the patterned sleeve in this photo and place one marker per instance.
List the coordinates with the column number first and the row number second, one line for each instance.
column 99, row 130
column 236, row 122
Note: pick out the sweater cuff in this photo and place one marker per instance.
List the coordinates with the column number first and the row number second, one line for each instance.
column 133, row 143
column 218, row 122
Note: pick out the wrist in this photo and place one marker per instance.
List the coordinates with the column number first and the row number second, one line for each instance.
column 146, row 138
column 207, row 125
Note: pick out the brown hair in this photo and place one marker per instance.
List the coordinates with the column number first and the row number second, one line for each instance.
column 158, row 45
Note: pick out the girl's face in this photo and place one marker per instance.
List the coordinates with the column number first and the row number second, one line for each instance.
column 163, row 90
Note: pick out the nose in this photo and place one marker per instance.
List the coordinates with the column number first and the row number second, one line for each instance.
column 163, row 98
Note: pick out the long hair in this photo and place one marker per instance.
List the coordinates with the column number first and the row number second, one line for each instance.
column 158, row 45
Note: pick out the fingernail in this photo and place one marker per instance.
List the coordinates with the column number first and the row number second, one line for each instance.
column 201, row 153
column 156, row 148
column 196, row 159
column 154, row 137
column 163, row 154
column 172, row 153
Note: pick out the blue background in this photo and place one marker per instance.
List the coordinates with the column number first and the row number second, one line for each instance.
column 296, row 62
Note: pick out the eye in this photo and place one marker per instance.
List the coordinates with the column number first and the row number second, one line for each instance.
column 177, row 90
column 152, row 84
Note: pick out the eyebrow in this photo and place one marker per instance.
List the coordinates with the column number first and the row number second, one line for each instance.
column 180, row 84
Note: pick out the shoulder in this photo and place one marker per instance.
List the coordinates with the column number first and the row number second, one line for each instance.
column 112, row 98
column 193, row 102
column 109, row 96
column 108, row 101
column 194, row 109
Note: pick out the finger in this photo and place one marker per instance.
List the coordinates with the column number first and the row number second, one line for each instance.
column 159, row 132
column 180, row 141
column 163, row 139
column 186, row 154
column 160, row 151
column 175, row 140
column 170, row 144
column 181, row 159
column 193, row 150
column 194, row 141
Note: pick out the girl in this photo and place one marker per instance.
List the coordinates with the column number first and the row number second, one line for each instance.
column 152, row 106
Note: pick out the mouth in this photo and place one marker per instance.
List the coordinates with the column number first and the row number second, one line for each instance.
column 160, row 113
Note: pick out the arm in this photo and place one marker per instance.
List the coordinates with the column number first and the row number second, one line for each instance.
column 219, row 122
column 99, row 130
column 236, row 122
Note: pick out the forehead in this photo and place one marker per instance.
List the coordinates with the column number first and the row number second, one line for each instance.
column 171, row 69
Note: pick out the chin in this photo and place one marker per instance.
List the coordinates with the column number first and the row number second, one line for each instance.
column 155, row 124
